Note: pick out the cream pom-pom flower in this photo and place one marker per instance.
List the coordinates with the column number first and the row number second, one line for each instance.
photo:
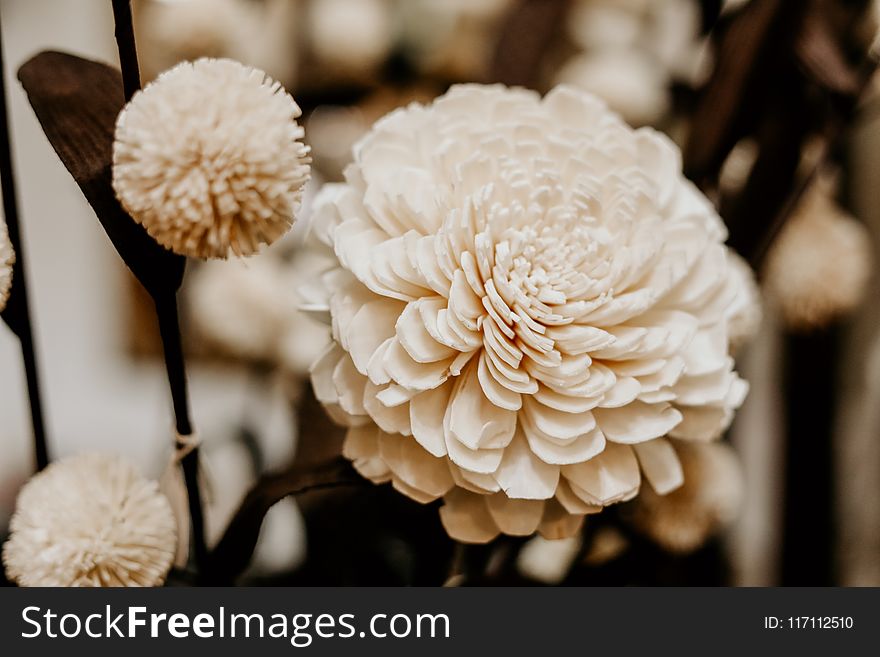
column 818, row 267
column 709, row 499
column 209, row 159
column 529, row 297
column 90, row 520
column 7, row 260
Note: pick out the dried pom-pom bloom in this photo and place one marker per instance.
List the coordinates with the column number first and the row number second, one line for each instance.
column 7, row 259
column 709, row 499
column 819, row 265
column 209, row 159
column 90, row 520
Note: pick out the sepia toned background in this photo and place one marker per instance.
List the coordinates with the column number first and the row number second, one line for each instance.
column 809, row 433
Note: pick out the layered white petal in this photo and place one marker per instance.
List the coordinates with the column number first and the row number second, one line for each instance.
column 530, row 298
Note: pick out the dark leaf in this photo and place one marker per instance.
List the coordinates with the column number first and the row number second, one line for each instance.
column 234, row 550
column 76, row 102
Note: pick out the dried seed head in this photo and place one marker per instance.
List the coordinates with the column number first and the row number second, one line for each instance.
column 90, row 520
column 209, row 159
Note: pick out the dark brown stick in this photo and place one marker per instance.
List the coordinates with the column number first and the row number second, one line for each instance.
column 17, row 312
column 234, row 550
column 166, row 308
column 169, row 329
column 125, row 43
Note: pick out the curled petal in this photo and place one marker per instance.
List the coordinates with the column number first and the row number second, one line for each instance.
column 580, row 449
column 498, row 394
column 415, row 338
column 370, row 326
column 702, row 423
column 522, row 475
column 393, row 419
column 473, row 420
column 466, row 518
column 515, row 517
column 556, row 424
column 407, row 372
column 637, row 422
column 426, row 411
column 612, row 476
column 361, row 446
column 414, row 466
column 558, row 523
column 660, row 464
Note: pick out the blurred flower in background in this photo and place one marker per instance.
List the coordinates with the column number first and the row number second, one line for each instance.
column 818, row 268
column 350, row 62
column 631, row 52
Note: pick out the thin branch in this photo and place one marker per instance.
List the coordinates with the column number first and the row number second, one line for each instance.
column 125, row 43
column 17, row 313
column 234, row 550
column 166, row 307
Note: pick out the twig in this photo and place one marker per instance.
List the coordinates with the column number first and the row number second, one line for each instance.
column 166, row 308
column 169, row 329
column 17, row 312
column 128, row 61
column 234, row 550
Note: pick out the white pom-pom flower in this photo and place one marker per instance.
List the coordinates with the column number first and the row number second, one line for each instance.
column 90, row 520
column 209, row 159
column 529, row 297
column 709, row 499
column 7, row 260
column 818, row 267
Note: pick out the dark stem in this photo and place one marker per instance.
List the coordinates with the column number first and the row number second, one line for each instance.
column 169, row 329
column 18, row 302
column 166, row 307
column 235, row 549
column 128, row 61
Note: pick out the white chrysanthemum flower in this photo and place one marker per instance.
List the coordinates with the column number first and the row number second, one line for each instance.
column 710, row 499
column 819, row 265
column 90, row 520
column 7, row 260
column 250, row 310
column 209, row 159
column 529, row 297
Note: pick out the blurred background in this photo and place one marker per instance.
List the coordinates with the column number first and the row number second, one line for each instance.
column 777, row 109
